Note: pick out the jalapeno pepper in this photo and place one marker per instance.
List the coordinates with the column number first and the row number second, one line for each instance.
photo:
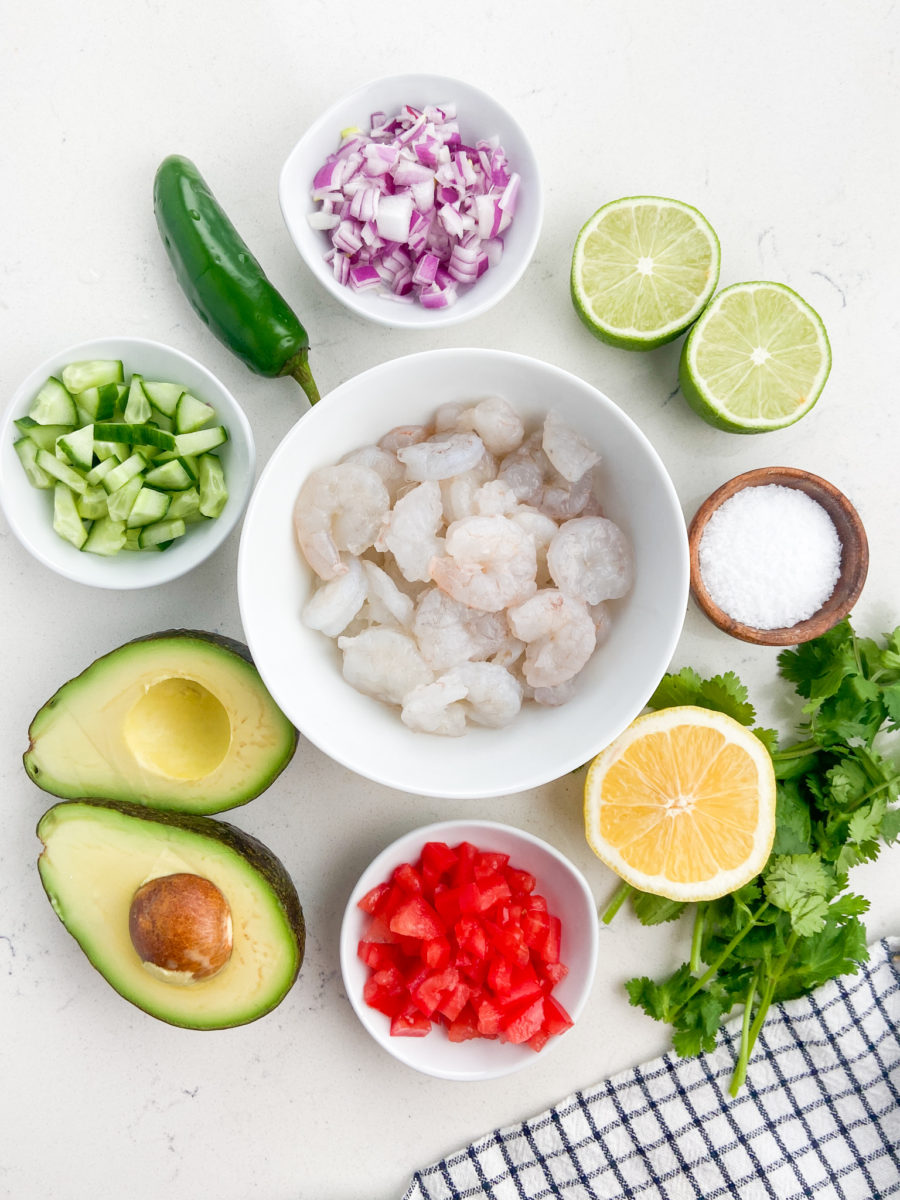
column 225, row 284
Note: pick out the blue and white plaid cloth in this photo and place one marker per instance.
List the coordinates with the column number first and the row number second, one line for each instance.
column 819, row 1116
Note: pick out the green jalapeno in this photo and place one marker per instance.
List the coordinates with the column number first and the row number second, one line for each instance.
column 225, row 284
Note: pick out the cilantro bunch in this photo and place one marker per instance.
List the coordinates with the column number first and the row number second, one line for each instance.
column 796, row 925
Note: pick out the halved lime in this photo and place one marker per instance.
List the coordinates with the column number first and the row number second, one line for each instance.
column 757, row 359
column 643, row 269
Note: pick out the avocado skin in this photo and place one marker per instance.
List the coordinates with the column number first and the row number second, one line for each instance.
column 253, row 851
column 223, row 642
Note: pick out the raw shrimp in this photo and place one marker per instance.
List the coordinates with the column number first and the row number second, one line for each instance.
column 490, row 563
column 384, row 462
column 567, row 450
column 591, row 558
column 559, row 633
column 410, row 530
column 448, row 632
column 339, row 508
column 480, row 691
column 458, row 494
column 543, row 529
column 385, row 603
column 441, row 457
column 563, row 500
column 493, row 498
column 384, row 663
column 496, row 422
column 524, row 470
column 335, row 603
column 404, row 435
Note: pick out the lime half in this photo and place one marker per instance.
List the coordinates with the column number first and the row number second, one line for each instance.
column 756, row 360
column 643, row 269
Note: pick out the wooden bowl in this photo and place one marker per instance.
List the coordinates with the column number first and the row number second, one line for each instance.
column 854, row 556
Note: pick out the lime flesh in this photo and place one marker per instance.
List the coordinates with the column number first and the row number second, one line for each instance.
column 643, row 269
column 756, row 360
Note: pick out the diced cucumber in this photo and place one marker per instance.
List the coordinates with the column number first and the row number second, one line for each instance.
column 138, row 407
column 119, row 503
column 66, row 521
column 119, row 475
column 97, row 474
column 98, row 403
column 78, row 447
column 27, row 451
column 43, row 436
column 213, row 492
column 53, row 405
column 106, row 537
column 61, row 471
column 201, row 441
column 185, row 504
column 160, row 532
column 149, row 507
column 172, row 476
column 135, row 435
column 77, row 377
column 132, row 539
column 92, row 503
column 192, row 414
column 164, row 396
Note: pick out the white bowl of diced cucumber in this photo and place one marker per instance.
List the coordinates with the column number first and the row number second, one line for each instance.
column 124, row 463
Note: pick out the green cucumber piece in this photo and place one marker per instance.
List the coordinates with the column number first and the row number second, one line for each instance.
column 201, row 441
column 134, row 435
column 53, row 405
column 66, row 521
column 212, row 488
column 171, row 476
column 185, row 504
column 161, row 532
column 79, row 376
column 132, row 539
column 137, row 408
column 164, row 396
column 120, row 474
column 92, row 503
column 78, row 447
column 119, row 502
column 149, row 507
column 60, row 471
column 98, row 403
column 192, row 414
column 107, row 537
column 27, row 451
column 97, row 474
column 43, row 436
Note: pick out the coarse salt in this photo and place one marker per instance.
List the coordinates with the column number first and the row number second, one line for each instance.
column 770, row 556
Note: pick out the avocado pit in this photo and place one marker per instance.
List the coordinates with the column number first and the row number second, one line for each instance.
column 181, row 928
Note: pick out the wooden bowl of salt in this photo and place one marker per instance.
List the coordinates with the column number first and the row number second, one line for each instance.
column 778, row 556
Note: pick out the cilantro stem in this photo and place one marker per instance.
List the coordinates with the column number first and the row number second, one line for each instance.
column 621, row 895
column 697, row 938
column 713, row 969
column 765, row 1003
column 798, row 750
column 740, row 1068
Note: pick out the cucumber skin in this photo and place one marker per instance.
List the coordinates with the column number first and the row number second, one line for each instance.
column 222, row 642
column 251, row 849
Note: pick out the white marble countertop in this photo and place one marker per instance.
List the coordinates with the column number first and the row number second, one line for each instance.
column 777, row 121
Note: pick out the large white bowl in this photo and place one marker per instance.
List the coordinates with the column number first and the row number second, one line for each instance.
column 568, row 897
column 480, row 116
column 301, row 667
column 29, row 510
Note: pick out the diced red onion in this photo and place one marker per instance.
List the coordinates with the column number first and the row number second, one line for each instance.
column 411, row 209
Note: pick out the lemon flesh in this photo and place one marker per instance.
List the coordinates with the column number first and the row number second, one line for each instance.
column 643, row 269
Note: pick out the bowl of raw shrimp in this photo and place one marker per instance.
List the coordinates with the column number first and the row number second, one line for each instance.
column 463, row 573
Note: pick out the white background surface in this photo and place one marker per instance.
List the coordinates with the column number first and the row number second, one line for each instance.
column 778, row 121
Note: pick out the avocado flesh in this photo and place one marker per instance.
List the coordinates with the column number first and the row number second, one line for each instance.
column 97, row 854
column 178, row 720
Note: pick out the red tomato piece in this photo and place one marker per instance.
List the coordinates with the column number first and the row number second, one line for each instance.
column 464, row 869
column 554, row 973
column 408, row 879
column 436, row 952
column 480, row 896
column 373, row 900
column 524, row 985
column 416, row 918
column 428, row 994
column 464, row 1027
column 489, row 862
column 490, row 1016
column 535, row 927
column 499, row 976
column 539, row 1040
column 378, row 955
column 520, row 882
column 455, row 1001
column 410, row 1023
column 549, row 952
column 510, row 942
column 525, row 1022
column 471, row 937
column 556, row 1019
column 378, row 930
column 446, row 902
column 438, row 859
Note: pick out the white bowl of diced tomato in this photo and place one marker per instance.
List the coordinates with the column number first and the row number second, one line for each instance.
column 469, row 948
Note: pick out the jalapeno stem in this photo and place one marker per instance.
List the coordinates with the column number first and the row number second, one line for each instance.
column 298, row 368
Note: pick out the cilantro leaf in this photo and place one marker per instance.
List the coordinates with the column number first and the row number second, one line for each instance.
column 800, row 885
column 722, row 693
column 793, row 824
column 674, row 690
column 655, row 910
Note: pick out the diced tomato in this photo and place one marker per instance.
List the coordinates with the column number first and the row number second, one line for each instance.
column 520, row 881
column 481, row 895
column 535, row 927
column 372, row 901
column 539, row 1040
column 438, row 859
column 416, row 918
column 410, row 1023
column 525, row 1023
column 464, row 1027
column 436, row 952
column 554, row 973
column 471, row 937
column 428, row 994
column 510, row 942
column 378, row 955
column 408, row 879
column 524, row 985
column 537, row 903
column 378, row 930
column 556, row 1019
column 384, row 994
column 550, row 950
column 464, row 869
column 489, row 862
column 446, row 902
column 499, row 976
column 490, row 1016
column 455, row 1001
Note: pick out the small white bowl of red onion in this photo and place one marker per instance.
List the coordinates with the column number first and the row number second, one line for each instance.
column 416, row 201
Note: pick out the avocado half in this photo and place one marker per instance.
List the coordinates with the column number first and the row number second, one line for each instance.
column 98, row 853
column 177, row 720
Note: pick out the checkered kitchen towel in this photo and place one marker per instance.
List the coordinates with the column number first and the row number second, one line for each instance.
column 819, row 1116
